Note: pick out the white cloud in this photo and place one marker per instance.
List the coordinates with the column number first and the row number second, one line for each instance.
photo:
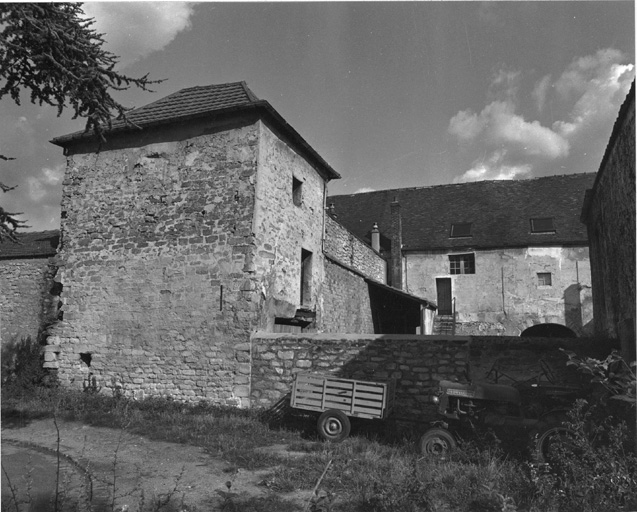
column 364, row 189
column 498, row 125
column 53, row 176
column 597, row 84
column 45, row 182
column 133, row 30
column 587, row 95
column 494, row 168
column 540, row 92
column 36, row 189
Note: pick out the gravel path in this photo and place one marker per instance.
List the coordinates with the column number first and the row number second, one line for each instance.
column 141, row 469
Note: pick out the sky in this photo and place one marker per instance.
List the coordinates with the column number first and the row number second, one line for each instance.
column 390, row 94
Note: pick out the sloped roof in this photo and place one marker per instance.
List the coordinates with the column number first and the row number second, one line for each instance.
column 39, row 244
column 201, row 101
column 499, row 211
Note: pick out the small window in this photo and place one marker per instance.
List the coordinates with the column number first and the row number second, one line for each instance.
column 306, row 276
column 542, row 225
column 297, row 187
column 544, row 279
column 462, row 264
column 460, row 230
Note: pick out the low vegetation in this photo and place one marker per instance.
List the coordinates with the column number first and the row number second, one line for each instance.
column 593, row 468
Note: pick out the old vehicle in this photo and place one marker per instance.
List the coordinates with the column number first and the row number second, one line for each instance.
column 338, row 399
column 535, row 410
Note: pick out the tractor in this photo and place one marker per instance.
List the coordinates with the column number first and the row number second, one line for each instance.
column 531, row 409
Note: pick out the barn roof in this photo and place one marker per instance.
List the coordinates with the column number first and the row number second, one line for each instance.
column 37, row 244
column 483, row 214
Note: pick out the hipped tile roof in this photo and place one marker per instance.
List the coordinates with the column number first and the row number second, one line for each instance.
column 500, row 213
column 200, row 101
column 37, row 244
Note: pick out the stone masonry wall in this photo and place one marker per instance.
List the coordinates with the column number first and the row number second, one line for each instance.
column 346, row 301
column 26, row 301
column 611, row 229
column 345, row 247
column 284, row 226
column 155, row 262
column 416, row 363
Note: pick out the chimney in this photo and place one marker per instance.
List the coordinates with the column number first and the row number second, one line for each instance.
column 331, row 210
column 375, row 237
column 396, row 246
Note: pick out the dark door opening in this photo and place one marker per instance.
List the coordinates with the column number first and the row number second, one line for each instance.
column 443, row 288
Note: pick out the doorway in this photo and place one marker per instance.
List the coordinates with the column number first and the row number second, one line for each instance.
column 443, row 288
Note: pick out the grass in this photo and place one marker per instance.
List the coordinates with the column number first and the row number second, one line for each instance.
column 362, row 473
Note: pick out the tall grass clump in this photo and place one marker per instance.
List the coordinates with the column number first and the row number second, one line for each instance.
column 369, row 476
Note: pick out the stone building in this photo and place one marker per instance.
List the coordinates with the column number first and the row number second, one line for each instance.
column 28, row 295
column 181, row 239
column 609, row 214
column 501, row 257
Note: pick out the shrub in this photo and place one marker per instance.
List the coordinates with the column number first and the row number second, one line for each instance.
column 590, row 468
column 22, row 362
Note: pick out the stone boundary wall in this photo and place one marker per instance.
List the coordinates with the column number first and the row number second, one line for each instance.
column 609, row 213
column 348, row 249
column 26, row 302
column 340, row 313
column 415, row 362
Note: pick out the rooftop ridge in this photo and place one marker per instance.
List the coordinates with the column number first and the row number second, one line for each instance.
column 466, row 183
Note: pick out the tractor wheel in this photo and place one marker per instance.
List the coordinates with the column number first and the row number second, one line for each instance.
column 438, row 442
column 546, row 438
column 333, row 426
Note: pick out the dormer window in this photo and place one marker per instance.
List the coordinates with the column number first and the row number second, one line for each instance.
column 297, row 188
column 542, row 225
column 460, row 230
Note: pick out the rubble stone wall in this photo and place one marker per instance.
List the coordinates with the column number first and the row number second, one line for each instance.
column 26, row 302
column 158, row 294
column 345, row 247
column 416, row 363
column 346, row 301
column 611, row 230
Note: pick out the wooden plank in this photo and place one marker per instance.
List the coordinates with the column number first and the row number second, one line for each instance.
column 370, row 396
column 357, row 398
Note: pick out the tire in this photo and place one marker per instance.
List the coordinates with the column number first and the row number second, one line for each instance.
column 546, row 437
column 333, row 426
column 437, row 442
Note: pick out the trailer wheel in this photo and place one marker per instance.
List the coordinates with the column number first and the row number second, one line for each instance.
column 334, row 426
column 438, row 442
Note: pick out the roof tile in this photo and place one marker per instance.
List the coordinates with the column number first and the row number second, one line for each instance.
column 35, row 244
column 500, row 212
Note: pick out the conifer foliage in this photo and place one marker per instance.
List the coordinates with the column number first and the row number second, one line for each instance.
column 51, row 51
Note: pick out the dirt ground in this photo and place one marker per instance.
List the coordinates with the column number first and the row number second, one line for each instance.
column 159, row 469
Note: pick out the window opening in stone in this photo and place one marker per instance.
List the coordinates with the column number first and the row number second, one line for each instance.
column 542, row 225
column 462, row 264
column 544, row 279
column 86, row 358
column 306, row 276
column 56, row 289
column 297, row 187
column 460, row 230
